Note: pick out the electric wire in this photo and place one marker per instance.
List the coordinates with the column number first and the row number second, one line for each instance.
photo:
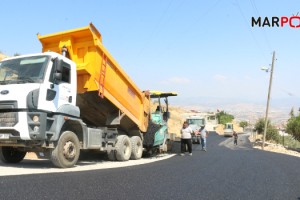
column 249, row 29
column 262, row 30
column 156, row 28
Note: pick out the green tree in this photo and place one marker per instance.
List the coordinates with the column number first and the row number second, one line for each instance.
column 243, row 124
column 271, row 134
column 293, row 127
column 17, row 54
column 260, row 126
column 224, row 118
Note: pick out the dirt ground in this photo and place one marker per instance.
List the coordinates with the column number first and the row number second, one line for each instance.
column 2, row 56
column 277, row 148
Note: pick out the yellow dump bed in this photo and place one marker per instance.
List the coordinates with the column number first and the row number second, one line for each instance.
column 104, row 89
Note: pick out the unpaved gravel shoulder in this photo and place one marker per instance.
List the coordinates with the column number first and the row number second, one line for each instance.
column 276, row 149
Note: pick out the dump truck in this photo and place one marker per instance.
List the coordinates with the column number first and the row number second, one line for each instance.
column 196, row 122
column 72, row 97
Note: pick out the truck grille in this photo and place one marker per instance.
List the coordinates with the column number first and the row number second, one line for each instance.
column 8, row 119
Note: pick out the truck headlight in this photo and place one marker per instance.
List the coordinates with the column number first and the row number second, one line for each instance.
column 35, row 118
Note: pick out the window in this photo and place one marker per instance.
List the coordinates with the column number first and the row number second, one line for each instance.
column 66, row 73
column 198, row 122
column 211, row 118
column 24, row 69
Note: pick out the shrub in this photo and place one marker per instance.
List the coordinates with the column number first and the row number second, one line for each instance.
column 293, row 127
column 272, row 134
column 260, row 125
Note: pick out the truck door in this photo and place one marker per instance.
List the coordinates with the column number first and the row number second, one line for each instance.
column 58, row 92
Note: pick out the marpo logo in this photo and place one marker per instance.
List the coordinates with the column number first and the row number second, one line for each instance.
column 292, row 21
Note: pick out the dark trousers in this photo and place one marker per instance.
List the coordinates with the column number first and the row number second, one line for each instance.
column 184, row 143
column 235, row 141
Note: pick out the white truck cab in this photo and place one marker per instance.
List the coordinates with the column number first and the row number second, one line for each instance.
column 228, row 130
column 29, row 91
column 38, row 109
column 195, row 122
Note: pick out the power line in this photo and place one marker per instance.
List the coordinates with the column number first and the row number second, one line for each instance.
column 263, row 30
column 206, row 12
column 156, row 29
column 249, row 29
column 187, row 29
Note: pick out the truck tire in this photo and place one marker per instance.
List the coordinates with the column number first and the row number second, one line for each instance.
column 11, row 155
column 67, row 150
column 123, row 148
column 111, row 155
column 136, row 148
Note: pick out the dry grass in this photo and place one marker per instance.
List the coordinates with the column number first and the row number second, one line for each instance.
column 176, row 120
column 2, row 56
column 236, row 127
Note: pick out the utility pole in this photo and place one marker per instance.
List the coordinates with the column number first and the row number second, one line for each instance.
column 268, row 101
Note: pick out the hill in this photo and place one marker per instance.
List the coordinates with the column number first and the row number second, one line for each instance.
column 2, row 56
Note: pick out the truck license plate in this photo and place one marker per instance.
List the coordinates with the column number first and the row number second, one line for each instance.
column 4, row 136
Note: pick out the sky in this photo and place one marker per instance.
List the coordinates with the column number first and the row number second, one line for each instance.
column 204, row 50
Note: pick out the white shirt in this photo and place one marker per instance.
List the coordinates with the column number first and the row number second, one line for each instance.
column 203, row 133
column 186, row 133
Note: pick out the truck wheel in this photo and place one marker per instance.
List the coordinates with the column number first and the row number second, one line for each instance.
column 111, row 155
column 123, row 148
column 67, row 151
column 136, row 148
column 11, row 155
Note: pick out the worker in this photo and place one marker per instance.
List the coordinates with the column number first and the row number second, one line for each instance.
column 158, row 109
column 203, row 135
column 235, row 137
column 186, row 138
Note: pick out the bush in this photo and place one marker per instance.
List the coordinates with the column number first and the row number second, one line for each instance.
column 260, row 125
column 273, row 134
column 293, row 127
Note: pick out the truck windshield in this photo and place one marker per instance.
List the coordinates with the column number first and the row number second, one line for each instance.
column 198, row 122
column 23, row 70
column 228, row 126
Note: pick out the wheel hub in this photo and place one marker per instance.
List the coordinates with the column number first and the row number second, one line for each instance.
column 69, row 150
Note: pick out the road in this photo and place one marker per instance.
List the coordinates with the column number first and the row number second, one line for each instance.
column 223, row 172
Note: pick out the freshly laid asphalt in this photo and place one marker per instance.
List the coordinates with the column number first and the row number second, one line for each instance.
column 225, row 171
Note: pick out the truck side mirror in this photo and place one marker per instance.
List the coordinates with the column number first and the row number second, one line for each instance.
column 57, row 76
column 57, row 65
